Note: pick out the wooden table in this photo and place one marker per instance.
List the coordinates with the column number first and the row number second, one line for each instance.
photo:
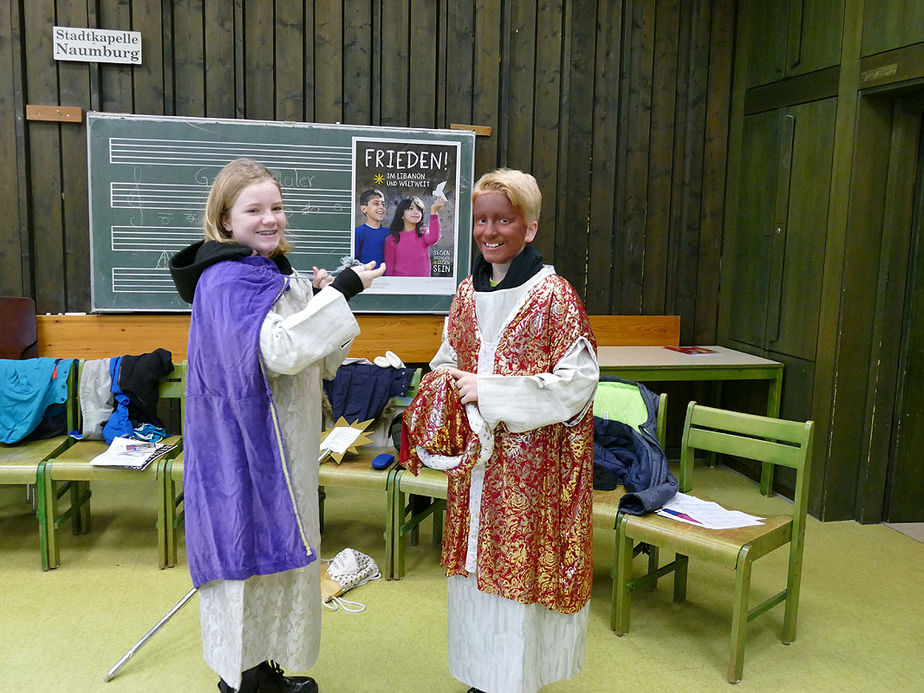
column 648, row 363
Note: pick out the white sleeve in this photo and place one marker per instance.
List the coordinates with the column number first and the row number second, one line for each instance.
column 446, row 356
column 321, row 332
column 525, row 402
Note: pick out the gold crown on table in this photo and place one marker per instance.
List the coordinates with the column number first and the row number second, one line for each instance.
column 347, row 437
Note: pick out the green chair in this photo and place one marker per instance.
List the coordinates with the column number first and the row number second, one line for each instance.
column 429, row 489
column 621, row 401
column 766, row 440
column 70, row 472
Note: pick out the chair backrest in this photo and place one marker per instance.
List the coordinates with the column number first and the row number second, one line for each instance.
column 18, row 338
column 622, row 401
column 760, row 438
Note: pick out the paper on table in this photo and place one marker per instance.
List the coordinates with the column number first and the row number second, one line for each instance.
column 339, row 439
column 695, row 511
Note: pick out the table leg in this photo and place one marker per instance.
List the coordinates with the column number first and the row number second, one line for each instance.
column 774, row 396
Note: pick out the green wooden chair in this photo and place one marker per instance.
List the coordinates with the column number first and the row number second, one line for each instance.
column 20, row 462
column 429, row 488
column 70, row 472
column 620, row 401
column 766, row 440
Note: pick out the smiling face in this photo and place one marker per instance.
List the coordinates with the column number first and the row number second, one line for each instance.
column 412, row 216
column 500, row 230
column 374, row 210
column 256, row 219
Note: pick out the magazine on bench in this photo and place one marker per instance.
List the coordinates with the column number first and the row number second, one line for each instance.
column 129, row 453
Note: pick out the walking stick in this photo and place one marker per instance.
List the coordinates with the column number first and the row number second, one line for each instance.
column 147, row 636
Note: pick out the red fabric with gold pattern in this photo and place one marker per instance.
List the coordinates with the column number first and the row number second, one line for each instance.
column 436, row 421
column 535, row 542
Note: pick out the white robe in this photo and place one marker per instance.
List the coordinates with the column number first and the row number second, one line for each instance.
column 495, row 644
column 278, row 616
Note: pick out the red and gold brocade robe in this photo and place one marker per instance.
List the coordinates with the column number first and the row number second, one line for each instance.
column 535, row 536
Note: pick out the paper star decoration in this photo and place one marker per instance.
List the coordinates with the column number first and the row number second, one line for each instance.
column 342, row 438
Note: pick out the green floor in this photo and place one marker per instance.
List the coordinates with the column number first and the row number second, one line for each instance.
column 861, row 625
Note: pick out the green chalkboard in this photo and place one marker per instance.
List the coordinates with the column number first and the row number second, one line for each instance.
column 150, row 177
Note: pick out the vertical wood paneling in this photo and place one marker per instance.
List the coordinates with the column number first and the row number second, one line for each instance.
column 718, row 95
column 683, row 264
column 603, row 171
column 289, row 62
column 485, row 88
column 219, row 59
column 573, row 214
column 518, row 116
column 44, row 162
column 14, row 260
column 396, row 20
column 424, row 63
column 358, row 75
column 116, row 80
column 636, row 134
column 618, row 108
column 259, row 61
column 661, row 156
column 74, row 87
column 189, row 68
column 148, row 78
column 328, row 61
column 547, row 117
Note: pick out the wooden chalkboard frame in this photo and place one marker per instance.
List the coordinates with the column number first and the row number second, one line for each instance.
column 149, row 177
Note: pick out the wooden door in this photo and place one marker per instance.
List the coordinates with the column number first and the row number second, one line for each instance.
column 905, row 484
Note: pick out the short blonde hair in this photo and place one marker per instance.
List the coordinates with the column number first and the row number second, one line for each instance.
column 520, row 188
column 230, row 182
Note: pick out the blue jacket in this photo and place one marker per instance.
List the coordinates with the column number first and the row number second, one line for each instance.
column 27, row 388
column 633, row 459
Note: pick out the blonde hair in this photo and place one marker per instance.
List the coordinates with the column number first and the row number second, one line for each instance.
column 520, row 188
column 230, row 182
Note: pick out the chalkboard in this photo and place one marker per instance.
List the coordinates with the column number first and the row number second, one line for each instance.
column 149, row 178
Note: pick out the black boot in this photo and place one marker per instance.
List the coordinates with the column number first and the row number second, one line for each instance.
column 249, row 681
column 271, row 679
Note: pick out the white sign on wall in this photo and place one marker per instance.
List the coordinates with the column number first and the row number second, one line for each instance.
column 97, row 45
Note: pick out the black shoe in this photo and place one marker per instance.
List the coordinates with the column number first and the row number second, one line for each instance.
column 249, row 681
column 271, row 679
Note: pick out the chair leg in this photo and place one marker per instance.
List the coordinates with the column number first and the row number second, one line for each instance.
column 398, row 538
column 793, row 585
column 653, row 555
column 619, row 616
column 162, row 514
column 390, row 525
column 739, row 620
column 46, row 504
column 80, row 499
column 680, row 577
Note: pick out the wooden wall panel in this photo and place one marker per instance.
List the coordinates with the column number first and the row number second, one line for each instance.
column 358, row 49
column 328, row 61
column 189, row 59
column 618, row 108
column 13, row 256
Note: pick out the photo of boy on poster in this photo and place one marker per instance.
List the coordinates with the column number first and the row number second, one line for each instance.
column 424, row 172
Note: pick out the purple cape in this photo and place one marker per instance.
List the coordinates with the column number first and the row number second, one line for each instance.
column 241, row 516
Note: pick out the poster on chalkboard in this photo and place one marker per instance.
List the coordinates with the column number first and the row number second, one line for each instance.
column 406, row 213
column 150, row 177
